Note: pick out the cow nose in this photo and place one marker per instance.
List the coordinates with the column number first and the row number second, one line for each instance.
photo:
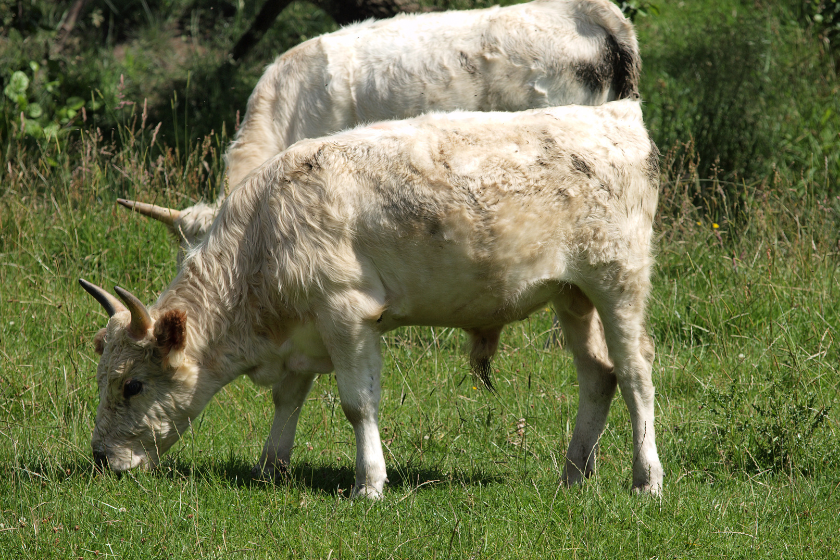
column 100, row 459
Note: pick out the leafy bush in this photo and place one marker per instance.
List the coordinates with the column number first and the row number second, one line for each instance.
column 824, row 16
column 44, row 108
column 751, row 89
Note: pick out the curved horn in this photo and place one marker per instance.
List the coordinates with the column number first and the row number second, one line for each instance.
column 141, row 321
column 110, row 303
column 159, row 213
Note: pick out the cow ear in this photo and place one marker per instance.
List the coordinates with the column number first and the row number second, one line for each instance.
column 171, row 336
column 99, row 342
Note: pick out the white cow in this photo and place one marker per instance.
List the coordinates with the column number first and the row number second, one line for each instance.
column 469, row 220
column 541, row 54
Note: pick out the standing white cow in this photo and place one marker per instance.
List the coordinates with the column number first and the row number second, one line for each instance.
column 469, row 220
column 541, row 54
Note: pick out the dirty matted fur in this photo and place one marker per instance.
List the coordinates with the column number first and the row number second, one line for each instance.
column 469, row 220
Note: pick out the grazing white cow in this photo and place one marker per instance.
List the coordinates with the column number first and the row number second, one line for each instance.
column 469, row 220
column 541, row 54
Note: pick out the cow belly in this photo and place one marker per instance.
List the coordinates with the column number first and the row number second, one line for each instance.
column 466, row 305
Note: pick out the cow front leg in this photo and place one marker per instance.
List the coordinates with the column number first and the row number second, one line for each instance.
column 597, row 384
column 288, row 396
column 355, row 354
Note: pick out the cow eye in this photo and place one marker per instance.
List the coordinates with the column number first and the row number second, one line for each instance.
column 131, row 388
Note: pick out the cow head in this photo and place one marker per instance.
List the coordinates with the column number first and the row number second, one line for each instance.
column 147, row 383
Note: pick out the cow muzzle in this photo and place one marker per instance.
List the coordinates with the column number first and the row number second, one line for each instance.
column 121, row 461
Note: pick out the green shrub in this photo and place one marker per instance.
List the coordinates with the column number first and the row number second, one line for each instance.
column 824, row 16
column 750, row 88
column 45, row 111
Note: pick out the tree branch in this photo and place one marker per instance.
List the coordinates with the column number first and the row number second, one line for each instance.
column 264, row 20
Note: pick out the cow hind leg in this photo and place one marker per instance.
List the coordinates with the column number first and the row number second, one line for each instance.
column 288, row 396
column 597, row 383
column 622, row 312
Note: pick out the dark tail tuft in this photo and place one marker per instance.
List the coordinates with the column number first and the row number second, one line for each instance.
column 481, row 368
column 484, row 343
column 626, row 70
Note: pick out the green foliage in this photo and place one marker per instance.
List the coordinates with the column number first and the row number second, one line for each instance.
column 633, row 9
column 752, row 90
column 45, row 97
column 44, row 108
column 26, row 18
column 751, row 86
column 771, row 432
column 824, row 15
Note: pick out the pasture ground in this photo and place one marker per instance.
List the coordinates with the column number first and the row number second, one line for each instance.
column 745, row 319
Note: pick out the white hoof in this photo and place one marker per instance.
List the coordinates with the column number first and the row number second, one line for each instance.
column 367, row 492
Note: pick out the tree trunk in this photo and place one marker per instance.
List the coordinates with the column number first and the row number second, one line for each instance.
column 264, row 20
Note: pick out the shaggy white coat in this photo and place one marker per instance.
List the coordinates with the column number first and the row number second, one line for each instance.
column 469, row 220
column 545, row 53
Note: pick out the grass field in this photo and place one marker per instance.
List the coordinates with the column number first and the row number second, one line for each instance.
column 744, row 315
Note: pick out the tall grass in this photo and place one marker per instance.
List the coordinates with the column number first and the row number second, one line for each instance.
column 751, row 87
column 756, row 289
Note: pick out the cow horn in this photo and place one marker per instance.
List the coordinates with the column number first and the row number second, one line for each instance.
column 141, row 321
column 159, row 213
column 110, row 303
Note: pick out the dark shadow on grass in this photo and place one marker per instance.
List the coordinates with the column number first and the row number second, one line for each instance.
column 328, row 479
column 332, row 480
column 237, row 472
column 325, row 479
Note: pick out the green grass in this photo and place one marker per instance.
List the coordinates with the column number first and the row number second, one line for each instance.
column 745, row 319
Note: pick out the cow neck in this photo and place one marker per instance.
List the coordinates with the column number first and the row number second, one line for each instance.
column 222, row 316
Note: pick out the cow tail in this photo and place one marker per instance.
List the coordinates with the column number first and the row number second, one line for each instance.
column 622, row 48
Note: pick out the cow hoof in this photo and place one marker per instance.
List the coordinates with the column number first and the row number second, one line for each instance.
column 367, row 492
column 270, row 472
column 574, row 476
column 654, row 490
